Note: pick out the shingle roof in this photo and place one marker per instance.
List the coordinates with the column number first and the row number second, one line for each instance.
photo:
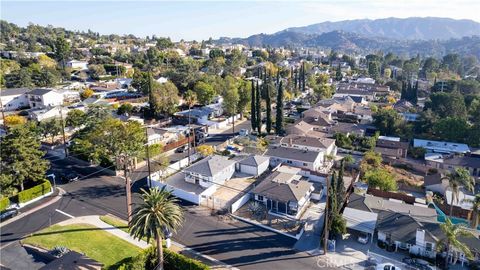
column 433, row 179
column 210, row 166
column 40, row 91
column 292, row 153
column 254, row 160
column 392, row 144
column 472, row 162
column 308, row 141
column 13, row 91
column 283, row 187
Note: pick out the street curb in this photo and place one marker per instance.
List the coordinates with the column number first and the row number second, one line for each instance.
column 22, row 215
column 204, row 256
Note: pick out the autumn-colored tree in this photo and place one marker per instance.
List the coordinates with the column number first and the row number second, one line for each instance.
column 14, row 120
column 87, row 93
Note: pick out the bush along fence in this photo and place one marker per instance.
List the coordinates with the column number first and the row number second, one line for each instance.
column 147, row 260
column 27, row 195
column 4, row 203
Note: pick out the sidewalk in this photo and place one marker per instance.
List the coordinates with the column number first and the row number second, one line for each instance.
column 177, row 247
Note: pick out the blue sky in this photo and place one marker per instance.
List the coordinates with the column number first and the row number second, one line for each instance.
column 201, row 20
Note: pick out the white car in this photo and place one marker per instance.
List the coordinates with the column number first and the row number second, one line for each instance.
column 363, row 239
column 387, row 266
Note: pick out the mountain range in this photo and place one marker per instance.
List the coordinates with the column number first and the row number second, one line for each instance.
column 413, row 28
column 410, row 36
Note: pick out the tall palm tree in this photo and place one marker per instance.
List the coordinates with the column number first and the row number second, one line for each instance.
column 190, row 98
column 452, row 233
column 158, row 213
column 474, row 220
column 456, row 179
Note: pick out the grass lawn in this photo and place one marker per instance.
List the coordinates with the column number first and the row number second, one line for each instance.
column 95, row 243
column 120, row 224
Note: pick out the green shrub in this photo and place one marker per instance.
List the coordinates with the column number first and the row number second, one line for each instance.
column 148, row 260
column 4, row 203
column 34, row 192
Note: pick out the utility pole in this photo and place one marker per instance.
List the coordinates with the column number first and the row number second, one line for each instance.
column 63, row 132
column 125, row 162
column 147, row 149
column 189, row 134
column 325, row 226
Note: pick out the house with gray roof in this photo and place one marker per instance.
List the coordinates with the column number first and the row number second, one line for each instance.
column 301, row 158
column 253, row 165
column 13, row 99
column 210, row 171
column 284, row 193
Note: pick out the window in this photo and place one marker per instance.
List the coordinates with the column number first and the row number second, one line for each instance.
column 260, row 198
column 428, row 246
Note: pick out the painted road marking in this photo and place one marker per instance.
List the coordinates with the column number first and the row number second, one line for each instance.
column 63, row 213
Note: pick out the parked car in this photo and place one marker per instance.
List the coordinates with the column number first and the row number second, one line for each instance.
column 70, row 177
column 243, row 132
column 363, row 238
column 387, row 266
column 181, row 149
column 9, row 213
column 419, row 263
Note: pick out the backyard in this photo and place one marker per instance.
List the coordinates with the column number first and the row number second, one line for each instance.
column 92, row 241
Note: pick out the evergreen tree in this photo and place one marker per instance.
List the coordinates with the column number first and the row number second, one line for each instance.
column 253, row 113
column 268, row 108
column 258, row 110
column 341, row 185
column 303, row 77
column 338, row 74
column 279, row 116
column 404, row 91
column 295, row 80
column 415, row 94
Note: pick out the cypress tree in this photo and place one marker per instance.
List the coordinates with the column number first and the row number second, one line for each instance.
column 415, row 94
column 279, row 115
column 258, row 110
column 338, row 74
column 404, row 91
column 253, row 114
column 295, row 80
column 268, row 108
column 303, row 76
column 340, row 185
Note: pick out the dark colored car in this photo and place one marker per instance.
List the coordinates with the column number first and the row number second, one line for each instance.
column 181, row 149
column 8, row 214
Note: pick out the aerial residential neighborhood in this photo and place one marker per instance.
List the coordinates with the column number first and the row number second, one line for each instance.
column 188, row 140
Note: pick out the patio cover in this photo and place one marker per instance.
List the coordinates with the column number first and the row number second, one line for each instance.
column 359, row 220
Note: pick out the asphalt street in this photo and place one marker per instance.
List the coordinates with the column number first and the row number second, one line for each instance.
column 236, row 243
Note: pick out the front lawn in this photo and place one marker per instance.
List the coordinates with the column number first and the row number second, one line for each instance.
column 90, row 240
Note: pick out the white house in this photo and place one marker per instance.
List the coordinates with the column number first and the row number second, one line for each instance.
column 442, row 147
column 47, row 113
column 77, row 65
column 210, row 171
column 14, row 98
column 254, row 165
column 310, row 160
column 41, row 98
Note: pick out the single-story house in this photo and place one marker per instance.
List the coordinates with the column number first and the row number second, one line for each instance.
column 442, row 147
column 284, row 193
column 254, row 165
column 310, row 160
column 389, row 148
column 450, row 163
column 14, row 98
column 210, row 171
column 47, row 113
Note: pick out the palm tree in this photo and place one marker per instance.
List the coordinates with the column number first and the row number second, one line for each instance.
column 452, row 233
column 475, row 211
column 190, row 98
column 460, row 177
column 158, row 213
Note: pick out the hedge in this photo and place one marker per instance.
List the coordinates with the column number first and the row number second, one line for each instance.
column 148, row 260
column 34, row 192
column 4, row 203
